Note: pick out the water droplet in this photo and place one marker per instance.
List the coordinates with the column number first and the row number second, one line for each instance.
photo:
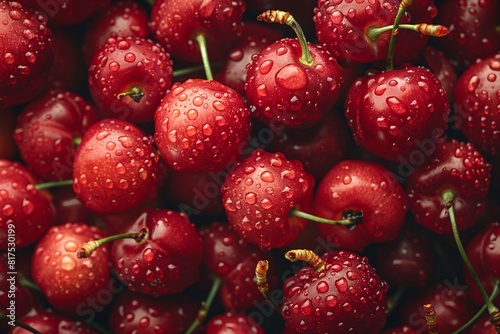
column 68, row 263
column 9, row 58
column 101, row 135
column 148, row 255
column 473, row 83
column 114, row 66
column 380, row 90
column 306, row 307
column 336, row 17
column 219, row 106
column 120, row 168
column 250, row 198
column 347, row 179
column 125, row 141
column 15, row 14
column 8, row 210
column 341, row 285
column 331, row 300
column 28, row 206
column 291, row 77
column 322, row 287
column 191, row 130
column 396, row 105
column 266, row 66
column 267, row 176
column 198, row 101
column 129, row 57
column 70, row 246
column 266, row 204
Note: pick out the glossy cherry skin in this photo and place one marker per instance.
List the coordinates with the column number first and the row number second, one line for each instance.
column 476, row 103
column 49, row 322
column 334, row 298
column 232, row 323
column 201, row 126
column 124, row 64
column 65, row 280
column 400, row 330
column 46, row 130
column 440, row 65
column 219, row 21
column 330, row 139
column 255, row 37
column 121, row 19
column 483, row 326
column 134, row 312
column 355, row 185
column 27, row 53
column 284, row 92
column 23, row 209
column 457, row 167
column 394, row 114
column 116, row 167
column 259, row 193
column 8, row 147
column 472, row 30
column 167, row 261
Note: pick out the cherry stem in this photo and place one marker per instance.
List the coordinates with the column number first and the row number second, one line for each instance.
column 393, row 301
column 392, row 42
column 202, row 44
column 434, row 30
column 494, row 294
column 448, row 196
column 18, row 323
column 53, row 184
column 134, row 92
column 282, row 17
column 27, row 283
column 76, row 141
column 352, row 218
column 89, row 247
column 261, row 280
column 431, row 319
column 205, row 306
column 306, row 255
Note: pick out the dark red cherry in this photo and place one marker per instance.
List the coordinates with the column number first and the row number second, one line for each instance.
column 232, row 323
column 49, row 322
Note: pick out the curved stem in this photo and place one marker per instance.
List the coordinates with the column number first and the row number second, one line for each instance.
column 135, row 93
column 53, row 184
column 202, row 314
column 479, row 313
column 392, row 42
column 202, row 44
column 448, row 196
column 349, row 221
column 89, row 247
column 21, row 324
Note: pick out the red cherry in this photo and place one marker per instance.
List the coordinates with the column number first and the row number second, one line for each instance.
column 65, row 280
column 400, row 330
column 138, row 313
column 477, row 96
column 49, row 322
column 397, row 113
column 201, row 126
column 122, row 19
column 46, row 130
column 259, row 193
column 455, row 167
column 166, row 261
column 436, row 61
column 116, row 167
column 27, row 53
column 129, row 76
column 483, row 326
column 355, row 185
column 232, row 323
column 218, row 20
column 27, row 212
column 333, row 294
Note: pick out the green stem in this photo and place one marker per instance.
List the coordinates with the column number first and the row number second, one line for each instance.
column 28, row 283
column 448, row 196
column 394, row 300
column 21, row 324
column 479, row 313
column 89, row 247
column 350, row 221
column 202, row 314
column 202, row 44
column 392, row 42
column 53, row 184
column 306, row 57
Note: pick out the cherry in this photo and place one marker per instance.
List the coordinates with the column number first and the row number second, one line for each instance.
column 255, row 37
column 473, row 31
column 128, row 77
column 201, row 126
column 400, row 330
column 219, row 21
column 458, row 169
column 46, row 132
column 397, row 113
column 259, row 193
column 408, row 260
column 8, row 147
column 333, row 293
column 25, row 212
column 436, row 61
column 63, row 279
column 160, row 253
column 483, row 326
column 122, row 18
column 355, row 185
column 232, row 323
column 27, row 53
column 331, row 140
column 477, row 96
column 116, row 167
column 69, row 208
column 233, row 260
column 134, row 312
column 291, row 83
column 49, row 322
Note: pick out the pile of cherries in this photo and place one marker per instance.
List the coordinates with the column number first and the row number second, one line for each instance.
column 216, row 166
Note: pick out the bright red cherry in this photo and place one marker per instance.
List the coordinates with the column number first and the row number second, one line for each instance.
column 398, row 114
column 49, row 322
column 26, row 51
column 116, row 167
column 232, row 323
column 201, row 126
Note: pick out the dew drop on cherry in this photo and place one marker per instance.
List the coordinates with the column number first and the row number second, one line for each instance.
column 267, row 176
column 342, row 285
column 395, row 104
